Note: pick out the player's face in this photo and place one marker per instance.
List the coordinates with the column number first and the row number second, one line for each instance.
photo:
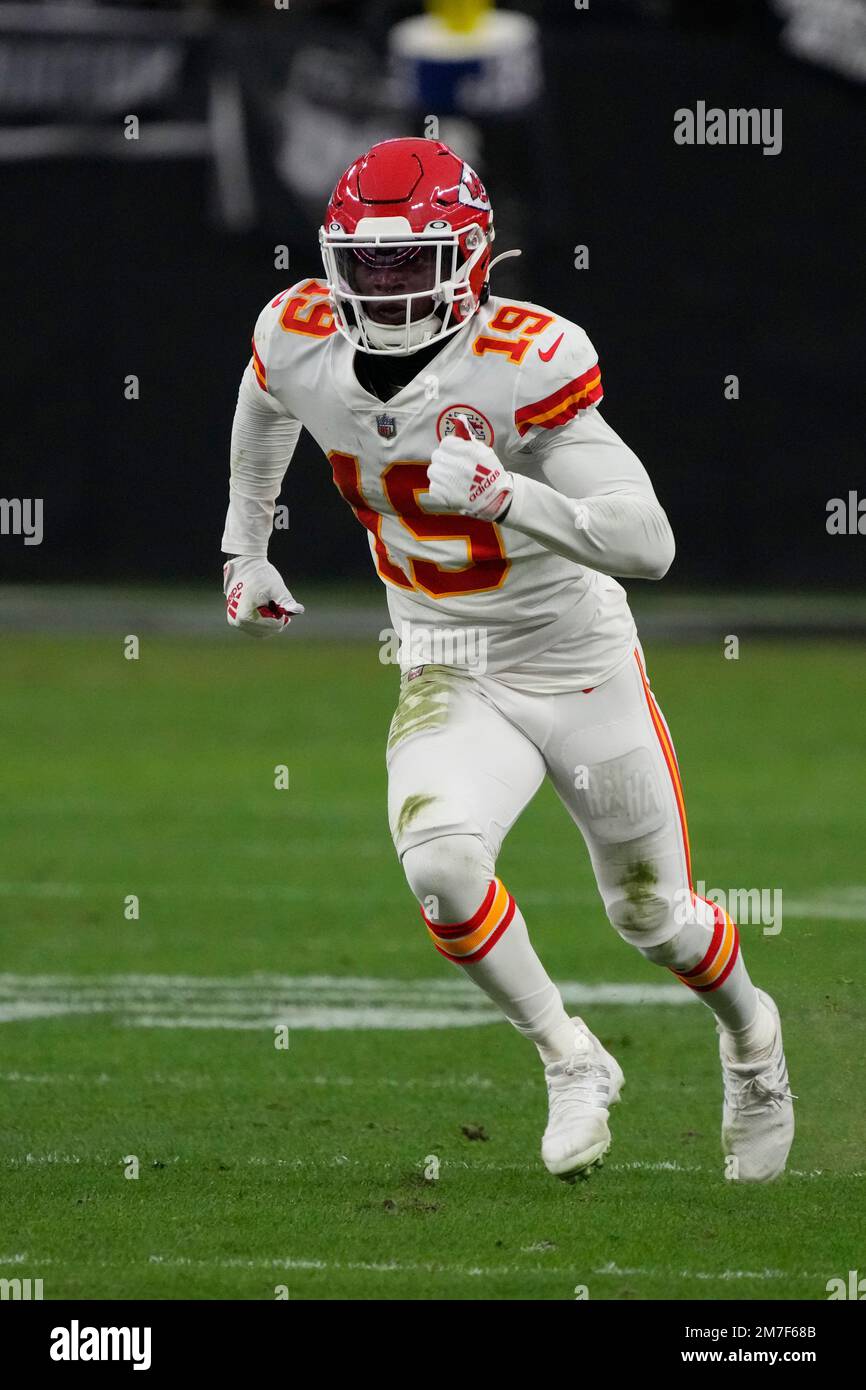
column 399, row 272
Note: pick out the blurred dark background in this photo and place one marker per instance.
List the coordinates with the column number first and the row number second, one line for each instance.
column 152, row 258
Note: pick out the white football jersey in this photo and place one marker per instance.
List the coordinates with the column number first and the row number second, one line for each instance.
column 461, row 592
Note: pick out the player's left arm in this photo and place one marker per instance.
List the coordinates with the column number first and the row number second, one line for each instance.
column 597, row 505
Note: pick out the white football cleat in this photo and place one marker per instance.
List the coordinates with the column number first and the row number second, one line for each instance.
column 758, row 1114
column 580, row 1088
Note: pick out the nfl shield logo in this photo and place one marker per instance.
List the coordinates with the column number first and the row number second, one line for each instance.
column 386, row 425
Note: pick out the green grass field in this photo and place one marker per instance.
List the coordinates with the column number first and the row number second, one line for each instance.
column 305, row 1167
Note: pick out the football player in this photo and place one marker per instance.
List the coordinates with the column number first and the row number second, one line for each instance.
column 464, row 432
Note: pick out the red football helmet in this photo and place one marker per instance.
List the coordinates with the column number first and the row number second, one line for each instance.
column 406, row 246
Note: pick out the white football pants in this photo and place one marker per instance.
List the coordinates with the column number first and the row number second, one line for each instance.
column 466, row 754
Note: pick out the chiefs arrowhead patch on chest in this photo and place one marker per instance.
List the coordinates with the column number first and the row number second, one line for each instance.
column 479, row 423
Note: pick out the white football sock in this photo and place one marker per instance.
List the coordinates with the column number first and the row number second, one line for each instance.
column 492, row 945
column 705, row 954
column 514, row 978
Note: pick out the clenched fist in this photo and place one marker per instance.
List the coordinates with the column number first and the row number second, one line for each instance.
column 257, row 600
column 466, row 476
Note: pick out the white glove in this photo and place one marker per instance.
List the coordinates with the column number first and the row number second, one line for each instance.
column 257, row 600
column 466, row 476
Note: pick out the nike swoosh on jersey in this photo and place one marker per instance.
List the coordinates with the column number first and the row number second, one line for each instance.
column 546, row 356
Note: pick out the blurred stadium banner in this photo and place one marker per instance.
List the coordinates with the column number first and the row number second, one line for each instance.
column 830, row 33
column 76, row 81
column 73, row 74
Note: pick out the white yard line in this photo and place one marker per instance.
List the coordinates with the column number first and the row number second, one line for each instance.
column 479, row 1166
column 301, row 1265
column 17, row 1010
column 29, row 1078
column 723, row 1275
column 266, row 985
column 261, row 1002
column 321, row 1020
column 199, row 1081
column 824, row 911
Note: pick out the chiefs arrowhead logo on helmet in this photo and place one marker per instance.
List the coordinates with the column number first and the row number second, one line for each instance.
column 406, row 245
column 472, row 191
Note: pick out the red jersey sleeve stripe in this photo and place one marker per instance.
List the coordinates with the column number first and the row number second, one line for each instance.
column 563, row 404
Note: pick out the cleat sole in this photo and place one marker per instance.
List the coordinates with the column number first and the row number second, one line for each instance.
column 582, row 1166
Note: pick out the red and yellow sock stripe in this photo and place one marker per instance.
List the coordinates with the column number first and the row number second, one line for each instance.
column 670, row 758
column 466, row 942
column 720, row 959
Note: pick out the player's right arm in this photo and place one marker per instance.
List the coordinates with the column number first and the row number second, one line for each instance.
column 263, row 439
